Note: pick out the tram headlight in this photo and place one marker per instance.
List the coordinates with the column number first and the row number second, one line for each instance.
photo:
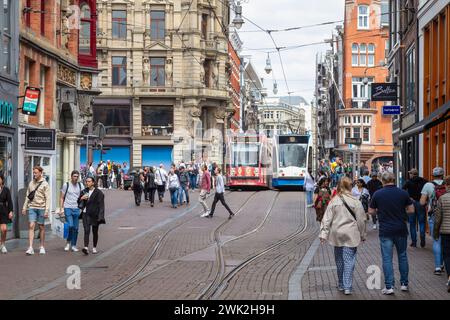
column 256, row 171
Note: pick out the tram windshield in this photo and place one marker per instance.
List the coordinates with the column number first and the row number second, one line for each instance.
column 293, row 155
column 245, row 154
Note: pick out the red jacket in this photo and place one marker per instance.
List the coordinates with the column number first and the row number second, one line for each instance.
column 205, row 184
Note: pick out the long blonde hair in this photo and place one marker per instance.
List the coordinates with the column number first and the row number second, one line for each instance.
column 345, row 185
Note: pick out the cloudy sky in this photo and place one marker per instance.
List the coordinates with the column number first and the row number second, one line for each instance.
column 299, row 64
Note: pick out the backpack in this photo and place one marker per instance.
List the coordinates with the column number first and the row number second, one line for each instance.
column 65, row 193
column 439, row 190
column 365, row 201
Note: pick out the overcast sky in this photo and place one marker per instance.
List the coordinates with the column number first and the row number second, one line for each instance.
column 299, row 63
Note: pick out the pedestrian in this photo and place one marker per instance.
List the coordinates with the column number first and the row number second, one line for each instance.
column 205, row 188
column 322, row 196
column 91, row 171
column 37, row 202
column 373, row 185
column 309, row 188
column 174, row 186
column 100, row 175
column 213, row 175
column 6, row 212
column 138, row 187
column 430, row 195
column 392, row 205
column 442, row 227
column 146, row 189
column 219, row 195
column 115, row 175
column 344, row 227
column 92, row 200
column 184, row 185
column 151, row 185
column 360, row 192
column 414, row 186
column 161, row 181
column 363, row 169
column 70, row 193
column 366, row 177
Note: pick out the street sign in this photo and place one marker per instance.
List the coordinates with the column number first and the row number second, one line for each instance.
column 383, row 91
column 40, row 139
column 355, row 141
column 391, row 110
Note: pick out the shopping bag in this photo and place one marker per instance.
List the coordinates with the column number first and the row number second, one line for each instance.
column 60, row 227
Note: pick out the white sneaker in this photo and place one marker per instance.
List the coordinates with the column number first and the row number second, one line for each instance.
column 205, row 214
column 30, row 251
column 4, row 249
column 94, row 250
column 67, row 247
column 347, row 292
column 404, row 288
column 387, row 291
column 75, row 249
column 374, row 227
column 42, row 250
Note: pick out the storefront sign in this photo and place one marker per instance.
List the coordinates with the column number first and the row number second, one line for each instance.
column 40, row 139
column 329, row 144
column 356, row 141
column 384, row 91
column 391, row 110
column 31, row 101
column 6, row 113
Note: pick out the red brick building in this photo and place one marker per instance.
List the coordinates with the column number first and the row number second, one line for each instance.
column 235, row 87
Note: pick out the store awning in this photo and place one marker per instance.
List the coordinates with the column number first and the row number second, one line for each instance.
column 438, row 116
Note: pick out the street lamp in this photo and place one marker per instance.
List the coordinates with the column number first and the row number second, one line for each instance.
column 380, row 65
column 238, row 21
column 268, row 67
column 275, row 88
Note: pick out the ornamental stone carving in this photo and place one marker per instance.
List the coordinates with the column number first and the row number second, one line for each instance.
column 220, row 113
column 67, row 75
column 145, row 69
column 85, row 105
column 195, row 112
column 86, row 81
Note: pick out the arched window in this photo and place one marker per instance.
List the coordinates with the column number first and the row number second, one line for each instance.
column 355, row 53
column 363, row 17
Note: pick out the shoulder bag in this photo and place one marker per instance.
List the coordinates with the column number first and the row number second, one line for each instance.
column 33, row 193
column 348, row 208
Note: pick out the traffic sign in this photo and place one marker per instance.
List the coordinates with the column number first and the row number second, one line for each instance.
column 391, row 110
column 356, row 141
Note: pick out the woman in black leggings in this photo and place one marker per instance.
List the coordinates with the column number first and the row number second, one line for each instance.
column 93, row 201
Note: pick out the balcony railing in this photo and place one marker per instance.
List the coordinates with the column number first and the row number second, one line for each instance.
column 359, row 104
column 117, row 130
column 164, row 131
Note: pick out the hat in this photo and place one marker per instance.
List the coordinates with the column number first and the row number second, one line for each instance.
column 438, row 171
column 414, row 172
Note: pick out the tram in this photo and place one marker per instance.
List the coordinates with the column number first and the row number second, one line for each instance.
column 248, row 160
column 292, row 157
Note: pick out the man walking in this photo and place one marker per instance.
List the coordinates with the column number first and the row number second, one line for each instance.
column 70, row 192
column 431, row 193
column 220, row 189
column 37, row 202
column 161, row 181
column 373, row 185
column 184, row 185
column 205, row 188
column 414, row 187
column 392, row 205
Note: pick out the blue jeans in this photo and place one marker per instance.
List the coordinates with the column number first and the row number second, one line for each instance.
column 437, row 249
column 309, row 197
column 345, row 258
column 193, row 181
column 418, row 216
column 173, row 197
column 387, row 251
column 181, row 191
column 72, row 216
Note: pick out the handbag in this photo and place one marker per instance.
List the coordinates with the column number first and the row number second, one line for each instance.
column 33, row 193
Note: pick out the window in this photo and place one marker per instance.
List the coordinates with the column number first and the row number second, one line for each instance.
column 347, row 120
column 204, row 26
column 410, row 79
column 363, row 17
column 356, row 119
column 347, row 133
column 119, row 24
column 42, row 79
column 357, row 132
column 157, row 72
column 157, row 121
column 384, row 19
column 366, row 134
column 355, row 54
column 119, row 71
column 386, row 48
column 43, row 17
column 362, row 54
column 359, row 89
column 85, row 30
column 5, row 36
column 157, row 25
column 366, row 119
column 371, row 56
column 116, row 119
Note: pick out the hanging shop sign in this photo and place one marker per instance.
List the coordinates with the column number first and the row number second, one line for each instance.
column 31, row 101
column 6, row 113
column 40, row 139
column 384, row 91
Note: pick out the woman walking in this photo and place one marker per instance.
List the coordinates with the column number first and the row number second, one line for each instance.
column 92, row 201
column 360, row 192
column 174, row 185
column 322, row 196
column 6, row 212
column 344, row 227
column 151, row 185
column 309, row 188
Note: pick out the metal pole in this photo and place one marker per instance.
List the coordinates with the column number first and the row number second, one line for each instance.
column 241, row 83
column 87, row 149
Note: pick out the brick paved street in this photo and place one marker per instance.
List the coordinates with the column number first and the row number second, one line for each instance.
column 184, row 260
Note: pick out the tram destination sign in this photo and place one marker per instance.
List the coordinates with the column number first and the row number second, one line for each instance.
column 384, row 91
column 40, row 139
column 355, row 141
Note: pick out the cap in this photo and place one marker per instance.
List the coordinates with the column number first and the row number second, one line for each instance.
column 414, row 172
column 438, row 171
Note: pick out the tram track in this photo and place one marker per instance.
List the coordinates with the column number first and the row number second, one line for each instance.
column 221, row 281
column 120, row 288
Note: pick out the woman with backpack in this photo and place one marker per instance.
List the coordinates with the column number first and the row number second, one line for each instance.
column 322, row 196
column 344, row 227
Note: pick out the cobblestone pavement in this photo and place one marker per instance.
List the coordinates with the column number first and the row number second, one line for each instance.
column 165, row 253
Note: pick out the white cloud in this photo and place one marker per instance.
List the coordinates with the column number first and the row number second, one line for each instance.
column 299, row 64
